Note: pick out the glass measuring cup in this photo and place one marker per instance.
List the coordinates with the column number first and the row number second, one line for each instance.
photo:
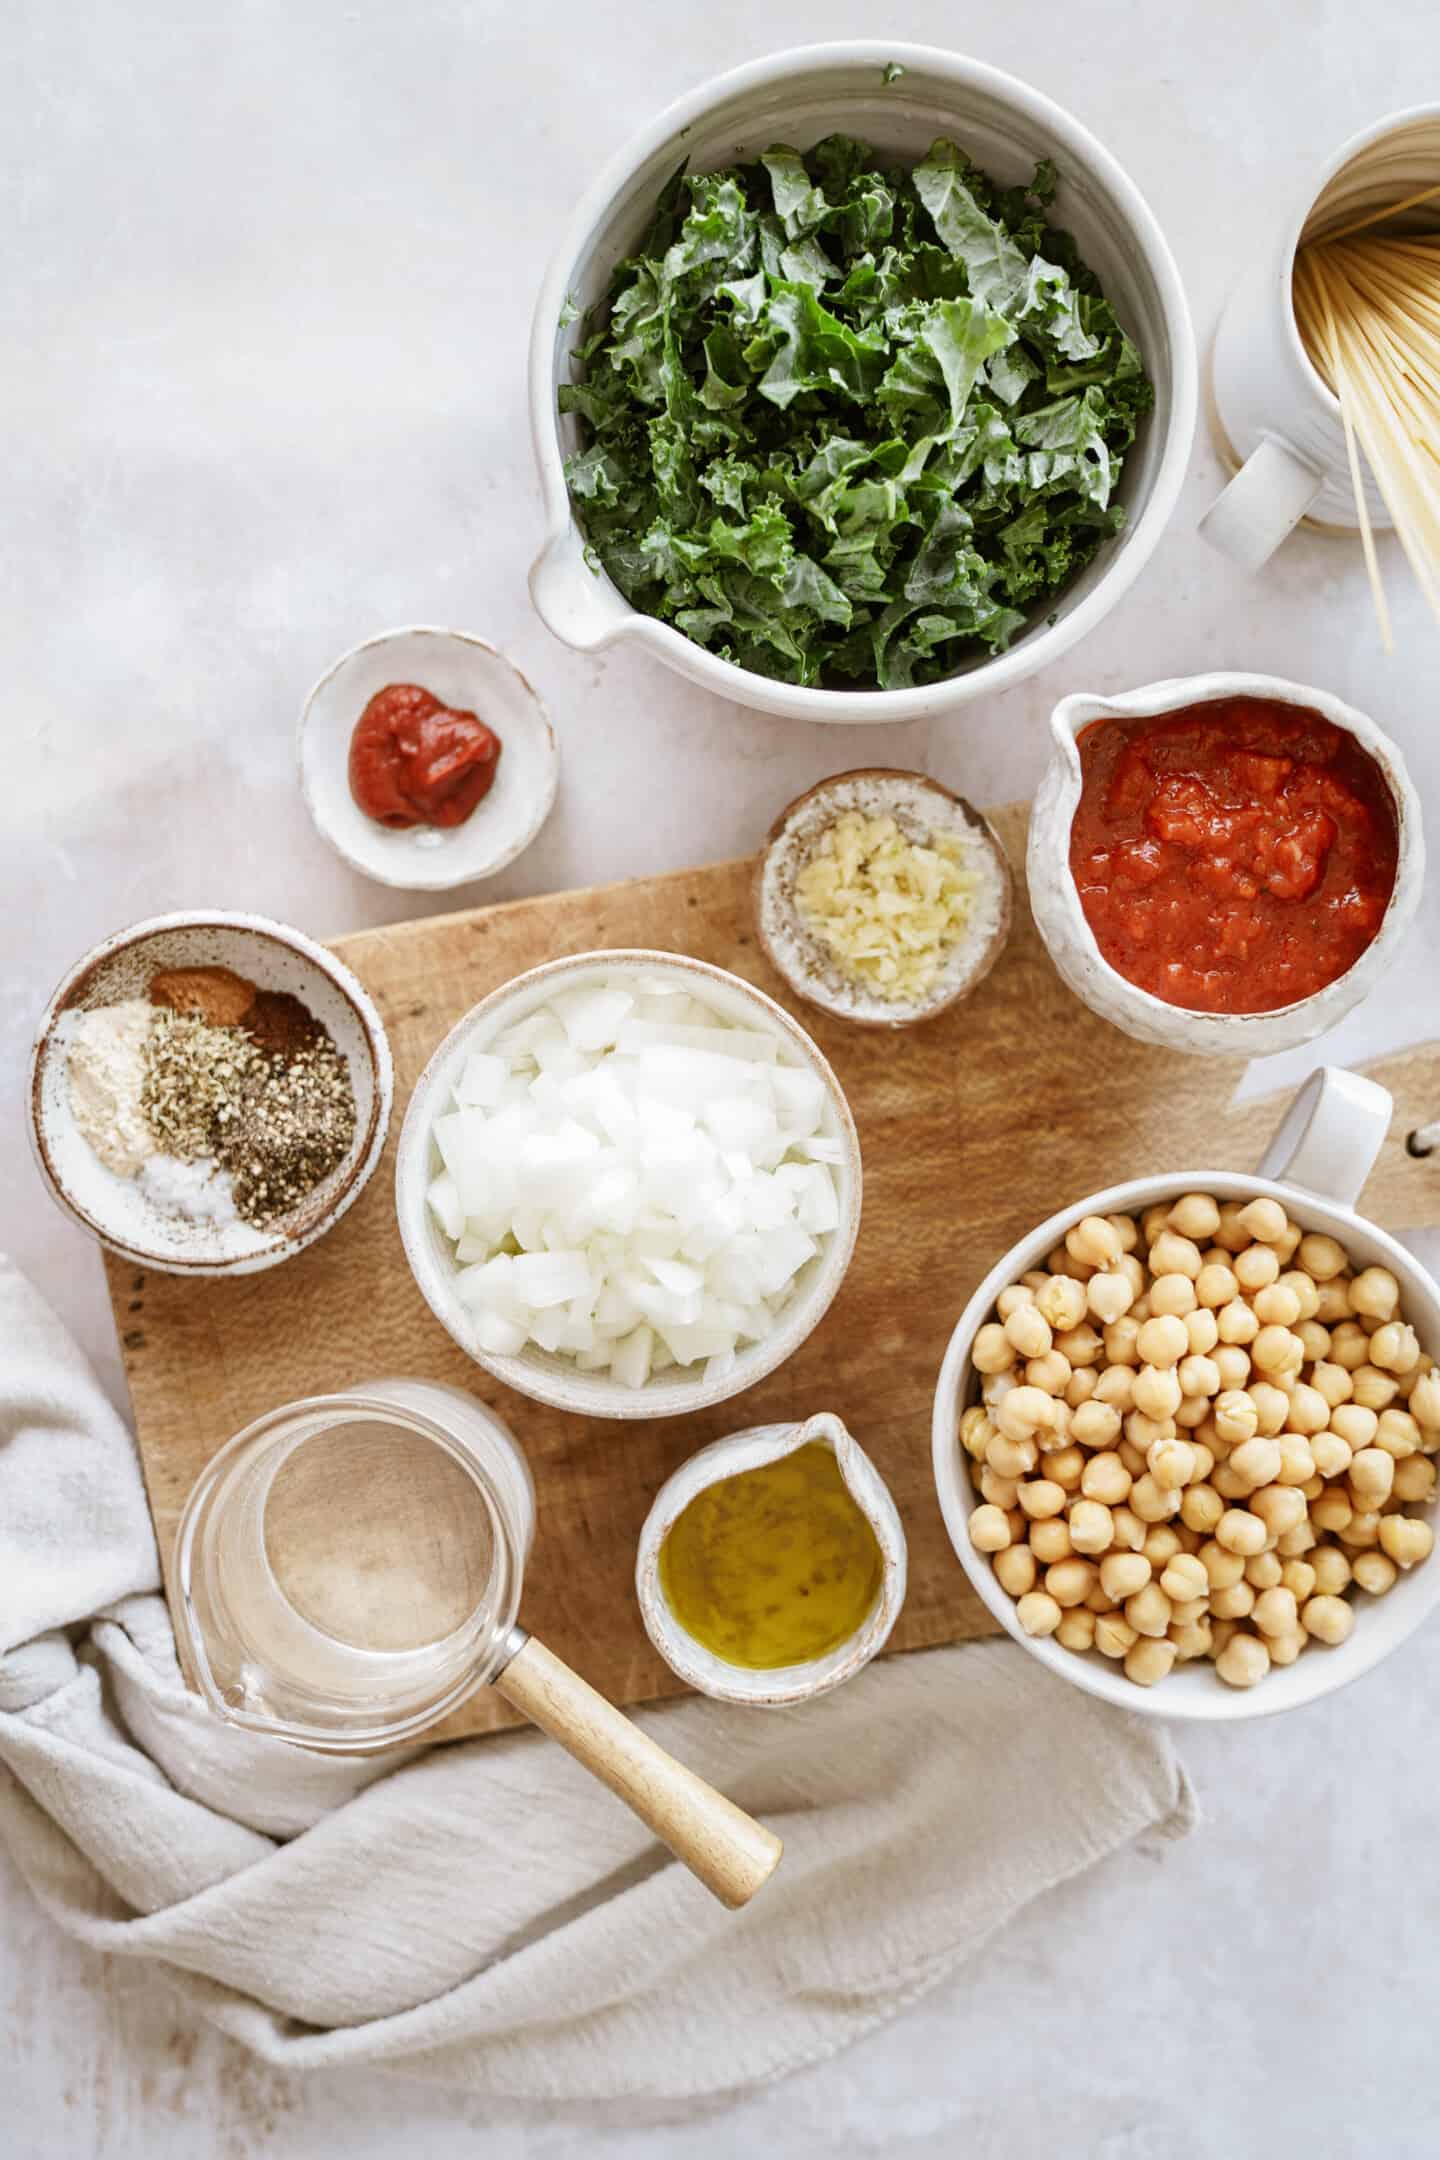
column 349, row 1571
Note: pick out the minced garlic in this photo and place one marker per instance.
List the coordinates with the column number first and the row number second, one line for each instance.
column 889, row 911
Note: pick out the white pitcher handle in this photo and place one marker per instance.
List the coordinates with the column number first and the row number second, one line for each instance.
column 1263, row 504
column 1329, row 1137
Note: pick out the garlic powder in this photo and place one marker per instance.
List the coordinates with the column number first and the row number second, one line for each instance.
column 106, row 1062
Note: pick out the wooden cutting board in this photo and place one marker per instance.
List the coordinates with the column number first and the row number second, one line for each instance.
column 972, row 1128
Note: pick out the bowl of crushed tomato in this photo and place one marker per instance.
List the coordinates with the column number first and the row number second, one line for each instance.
column 426, row 758
column 1225, row 864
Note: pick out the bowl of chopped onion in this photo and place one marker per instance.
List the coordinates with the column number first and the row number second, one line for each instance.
column 628, row 1184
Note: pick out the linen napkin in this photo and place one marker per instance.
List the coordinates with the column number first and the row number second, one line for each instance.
column 484, row 1914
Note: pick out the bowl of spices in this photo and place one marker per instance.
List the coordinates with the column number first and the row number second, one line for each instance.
column 1224, row 864
column 426, row 759
column 772, row 1565
column 882, row 897
column 209, row 1093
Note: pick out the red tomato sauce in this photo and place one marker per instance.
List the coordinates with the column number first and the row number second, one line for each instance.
column 415, row 762
column 1231, row 857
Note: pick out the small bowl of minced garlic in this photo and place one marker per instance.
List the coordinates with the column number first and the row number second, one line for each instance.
column 209, row 1093
column 882, row 897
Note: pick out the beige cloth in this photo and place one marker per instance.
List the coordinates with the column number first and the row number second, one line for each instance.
column 484, row 1914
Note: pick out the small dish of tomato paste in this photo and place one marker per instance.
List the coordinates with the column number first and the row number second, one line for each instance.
column 427, row 759
column 1232, row 857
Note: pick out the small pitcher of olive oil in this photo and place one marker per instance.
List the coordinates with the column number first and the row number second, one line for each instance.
column 772, row 1564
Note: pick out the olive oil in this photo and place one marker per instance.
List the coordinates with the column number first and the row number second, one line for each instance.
column 775, row 1566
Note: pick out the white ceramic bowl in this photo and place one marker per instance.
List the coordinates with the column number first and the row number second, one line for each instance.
column 798, row 97
column 555, row 1379
column 1315, row 1167
column 469, row 675
column 1060, row 919
column 778, row 1686
column 114, row 1209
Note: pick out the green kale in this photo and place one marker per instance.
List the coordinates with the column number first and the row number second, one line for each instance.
column 848, row 422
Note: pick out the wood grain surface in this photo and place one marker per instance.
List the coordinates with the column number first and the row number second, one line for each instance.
column 972, row 1128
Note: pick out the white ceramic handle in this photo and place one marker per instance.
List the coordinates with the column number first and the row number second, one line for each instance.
column 580, row 606
column 1263, row 504
column 1329, row 1137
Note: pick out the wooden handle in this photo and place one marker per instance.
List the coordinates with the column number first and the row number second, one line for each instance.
column 733, row 1855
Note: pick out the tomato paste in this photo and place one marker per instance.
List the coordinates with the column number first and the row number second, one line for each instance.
column 1231, row 857
column 413, row 761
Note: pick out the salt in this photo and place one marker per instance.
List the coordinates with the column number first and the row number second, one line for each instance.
column 199, row 1190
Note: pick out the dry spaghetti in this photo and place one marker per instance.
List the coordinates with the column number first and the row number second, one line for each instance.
column 1367, row 306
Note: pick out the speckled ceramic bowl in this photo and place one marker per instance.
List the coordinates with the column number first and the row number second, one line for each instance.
column 115, row 1209
column 1060, row 918
column 467, row 674
column 551, row 1378
column 781, row 1685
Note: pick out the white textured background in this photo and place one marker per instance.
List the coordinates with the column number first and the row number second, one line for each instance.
column 267, row 275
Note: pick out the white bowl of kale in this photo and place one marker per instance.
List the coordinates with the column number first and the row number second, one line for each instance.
column 862, row 385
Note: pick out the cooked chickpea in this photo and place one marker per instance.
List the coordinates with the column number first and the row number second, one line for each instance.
column 1234, row 1363
column 1149, row 1661
column 992, row 1350
column 1362, row 1530
column 1305, row 1290
column 1133, row 1270
column 1349, row 1346
column 1114, row 1635
column 1280, row 1508
column 1151, row 1501
column 1256, row 1268
column 1116, row 1386
column 1148, row 1611
column 1050, row 1540
column 989, row 1529
column 1375, row 1572
column 1240, row 1532
column 1122, row 1574
column 1372, row 1388
column 1394, row 1347
column 1171, row 1463
column 1397, row 1433
column 1236, row 1416
column 1263, row 1570
column 1129, row 1530
column 1331, row 1383
column 1406, row 1540
column 1001, row 1492
column 1332, row 1511
column 1275, row 1306
column 1277, row 1350
column 1414, row 1479
column 1080, row 1387
column 1038, row 1613
column 1265, row 1220
column 1194, row 1639
column 1077, row 1629
column 1284, row 1649
column 1184, row 1579
column 1105, row 1478
column 1425, row 1401
column 1204, row 1460
column 1276, row 1612
column 995, row 1386
column 1235, row 1603
column 1321, row 1257
column 1109, row 1295
column 976, row 1431
column 1050, row 1373
column 1091, row 1529
column 1201, row 1508
column 1163, row 1341
column 1223, row 1568
column 1173, row 1294
column 1094, row 1241
column 1011, row 1458
column 1243, row 1661
column 1122, row 1339
column 1231, row 1234
column 1024, row 1412
column 1028, row 1331
column 1297, row 1460
column 1298, row 1577
column 1327, row 1619
column 1372, row 1474
column 1222, row 1632
column 1255, row 1463
column 1042, row 1498
column 1202, row 1331
column 1237, row 1322
column 1272, row 1408
column 1330, row 1454
column 1082, row 1345
column 1158, row 1392
column 1070, row 1582
column 1376, row 1293
column 1315, row 1339
column 1015, row 1569
column 1193, row 1412
column 1061, row 1301
column 1216, row 1284
column 1171, row 1254
column 1162, row 1542
column 1354, row 1424
column 1194, row 1215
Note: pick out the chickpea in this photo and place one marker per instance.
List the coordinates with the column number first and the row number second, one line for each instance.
column 1202, row 1331
column 1425, row 1401
column 1162, row 1542
column 1191, row 1640
column 1122, row 1574
column 1280, row 1508
column 1296, row 1543
column 1272, row 1409
column 1154, row 1219
column 1305, row 1290
column 1362, row 1530
column 1327, row 1619
column 1265, row 1220
column 1234, row 1363
column 1094, row 1241
column 1264, row 1570
column 1330, row 1454
column 1237, row 1322
column 1321, row 1257
column 1042, row 1498
column 1277, row 1350
column 1091, row 1529
column 1255, row 1463
column 1414, row 1479
column 1194, row 1215
column 1122, row 1339
column 1109, row 1296
column 1148, row 1611
column 1134, row 1272
column 1050, row 1373
column 1274, row 1305
column 1201, row 1508
column 1082, row 1345
column 1397, row 1432
column 1222, row 1632
column 1406, row 1540
column 1354, row 1424
column 1171, row 1463
column 989, row 1529
column 1223, row 1568
column 1231, row 1234
column 1236, row 1416
column 1173, row 1294
column 1011, row 1458
column 1014, row 1567
column 1171, row 1254
column 1204, row 1461
column 1076, row 1630
column 1375, row 1293
column 1001, row 1492
column 1080, row 1387
column 1050, row 1540
column 1216, row 1285
column 1158, row 1393
column 1309, row 1411
column 1061, row 1301
column 1297, row 1460
column 994, row 1387
column 1024, row 1412
column 1065, row 1467
column 1372, row 1388
column 1240, row 1532
column 1331, row 1383
column 1236, row 1603
column 1038, row 1613
column 1114, row 1635
column 1314, row 1339
column 1243, row 1661
column 1142, row 1432
column 1129, row 1530
column 1184, row 1579
column 1276, row 1612
column 1349, row 1345
column 1193, row 1412
column 1298, row 1577
column 992, row 1350
column 1147, row 1661
column 1372, row 1474
column 1153, row 1502
column 1284, row 1649
column 1070, row 1582
column 1395, row 1347
column 1163, row 1341
column 1028, row 1331
column 1332, row 1511
column 1257, row 1268
column 1125, row 1230
column 1106, row 1479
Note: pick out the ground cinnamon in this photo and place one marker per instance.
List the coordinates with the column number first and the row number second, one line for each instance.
column 216, row 995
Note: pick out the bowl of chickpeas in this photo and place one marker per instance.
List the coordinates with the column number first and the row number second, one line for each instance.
column 1186, row 1434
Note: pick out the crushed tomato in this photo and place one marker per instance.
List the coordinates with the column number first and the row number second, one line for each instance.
column 1231, row 857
